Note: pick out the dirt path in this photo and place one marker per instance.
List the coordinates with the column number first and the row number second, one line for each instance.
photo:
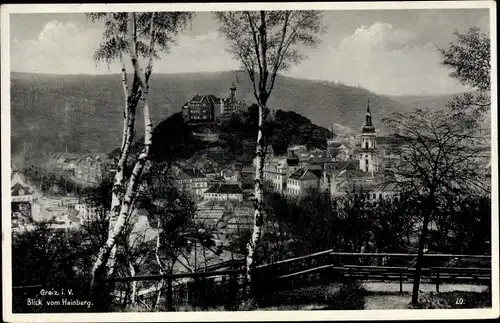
column 407, row 287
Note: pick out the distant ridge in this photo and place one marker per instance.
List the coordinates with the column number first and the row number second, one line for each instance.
column 95, row 103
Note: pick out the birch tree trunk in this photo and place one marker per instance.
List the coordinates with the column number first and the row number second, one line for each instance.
column 128, row 128
column 98, row 272
column 133, row 296
column 260, row 158
column 160, row 264
column 259, row 206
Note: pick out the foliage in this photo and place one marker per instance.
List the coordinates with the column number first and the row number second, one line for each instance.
column 463, row 227
column 173, row 140
column 317, row 222
column 166, row 26
column 266, row 42
column 172, row 211
column 50, row 182
column 52, row 259
column 287, row 128
column 291, row 128
column 351, row 296
column 469, row 59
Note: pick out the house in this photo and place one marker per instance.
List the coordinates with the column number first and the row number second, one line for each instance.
column 339, row 150
column 223, row 192
column 239, row 219
column 209, row 213
column 88, row 168
column 21, row 193
column 231, row 176
column 371, row 191
column 277, row 171
column 317, row 153
column 303, row 179
column 191, row 180
column 201, row 108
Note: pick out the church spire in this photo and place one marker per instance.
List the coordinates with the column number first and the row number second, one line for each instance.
column 368, row 115
column 368, row 128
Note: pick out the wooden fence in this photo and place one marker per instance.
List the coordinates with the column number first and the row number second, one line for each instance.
column 224, row 287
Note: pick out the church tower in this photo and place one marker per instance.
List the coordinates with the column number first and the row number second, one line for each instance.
column 232, row 92
column 368, row 161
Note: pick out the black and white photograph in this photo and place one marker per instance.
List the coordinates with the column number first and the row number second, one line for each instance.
column 249, row 161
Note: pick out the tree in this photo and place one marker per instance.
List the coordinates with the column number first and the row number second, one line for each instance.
column 141, row 34
column 440, row 158
column 265, row 43
column 171, row 211
column 445, row 154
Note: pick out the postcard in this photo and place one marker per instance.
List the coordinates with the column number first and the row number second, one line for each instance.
column 249, row 161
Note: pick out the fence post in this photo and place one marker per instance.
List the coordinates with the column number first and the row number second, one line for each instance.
column 170, row 305
column 437, row 281
column 233, row 283
column 401, row 282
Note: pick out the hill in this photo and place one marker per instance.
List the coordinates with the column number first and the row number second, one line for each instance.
column 85, row 110
column 173, row 139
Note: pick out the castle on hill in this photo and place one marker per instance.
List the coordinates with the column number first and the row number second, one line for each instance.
column 208, row 108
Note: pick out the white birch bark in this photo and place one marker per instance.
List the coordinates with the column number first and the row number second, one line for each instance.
column 261, row 152
column 133, row 184
column 259, row 204
column 160, row 263
column 128, row 125
column 133, row 297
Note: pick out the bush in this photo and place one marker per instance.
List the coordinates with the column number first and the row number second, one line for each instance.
column 248, row 305
column 351, row 296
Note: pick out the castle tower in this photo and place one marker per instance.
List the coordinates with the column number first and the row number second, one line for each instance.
column 368, row 161
column 232, row 92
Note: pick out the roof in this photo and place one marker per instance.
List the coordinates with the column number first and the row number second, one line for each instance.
column 221, row 188
column 306, row 174
column 73, row 218
column 368, row 129
column 318, row 160
column 18, row 186
column 390, row 140
column 342, row 165
column 353, row 173
column 335, row 144
column 210, row 98
column 193, row 172
column 370, row 186
column 248, row 169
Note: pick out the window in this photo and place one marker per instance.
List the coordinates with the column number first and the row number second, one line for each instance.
column 366, row 145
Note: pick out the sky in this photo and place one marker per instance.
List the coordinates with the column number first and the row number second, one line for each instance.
column 392, row 52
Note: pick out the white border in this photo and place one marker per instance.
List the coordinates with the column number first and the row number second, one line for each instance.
column 237, row 316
